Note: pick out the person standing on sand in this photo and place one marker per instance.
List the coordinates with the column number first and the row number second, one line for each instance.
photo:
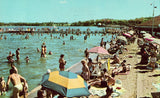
column 16, row 81
column 62, row 62
column 85, row 71
column 18, row 54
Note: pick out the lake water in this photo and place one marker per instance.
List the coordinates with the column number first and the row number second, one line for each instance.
column 33, row 71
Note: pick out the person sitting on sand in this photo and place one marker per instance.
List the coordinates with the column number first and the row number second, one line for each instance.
column 144, row 58
column 2, row 86
column 62, row 62
column 91, row 64
column 109, row 92
column 85, row 71
column 124, row 69
column 153, row 60
column 116, row 60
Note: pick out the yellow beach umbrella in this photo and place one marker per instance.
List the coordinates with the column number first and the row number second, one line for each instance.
column 68, row 84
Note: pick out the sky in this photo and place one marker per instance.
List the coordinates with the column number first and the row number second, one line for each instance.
column 75, row 10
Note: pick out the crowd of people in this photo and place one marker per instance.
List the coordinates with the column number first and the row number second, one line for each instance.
column 148, row 52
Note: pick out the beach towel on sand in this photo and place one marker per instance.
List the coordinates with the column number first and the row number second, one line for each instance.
column 117, row 90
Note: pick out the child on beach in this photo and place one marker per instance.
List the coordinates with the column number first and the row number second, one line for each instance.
column 2, row 86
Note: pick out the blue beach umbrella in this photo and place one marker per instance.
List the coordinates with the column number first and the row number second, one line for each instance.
column 68, row 84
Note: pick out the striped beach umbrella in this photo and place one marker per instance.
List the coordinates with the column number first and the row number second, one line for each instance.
column 67, row 84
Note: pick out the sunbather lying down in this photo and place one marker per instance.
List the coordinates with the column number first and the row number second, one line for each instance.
column 103, row 81
column 122, row 68
column 107, row 82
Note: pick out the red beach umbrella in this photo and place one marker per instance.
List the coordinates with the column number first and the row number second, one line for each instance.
column 126, row 34
column 99, row 50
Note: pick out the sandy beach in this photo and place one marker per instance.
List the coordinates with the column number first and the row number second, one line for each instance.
column 138, row 83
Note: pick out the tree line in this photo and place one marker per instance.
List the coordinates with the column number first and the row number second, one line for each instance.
column 105, row 22
column 98, row 22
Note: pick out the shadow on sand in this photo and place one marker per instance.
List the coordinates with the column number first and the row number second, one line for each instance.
column 143, row 69
column 155, row 75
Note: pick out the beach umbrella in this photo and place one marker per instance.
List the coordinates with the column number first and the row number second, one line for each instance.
column 127, row 34
column 131, row 32
column 99, row 50
column 149, row 38
column 156, row 41
column 122, row 38
column 143, row 32
column 66, row 83
column 147, row 35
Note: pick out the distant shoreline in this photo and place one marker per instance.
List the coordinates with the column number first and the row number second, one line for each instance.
column 97, row 22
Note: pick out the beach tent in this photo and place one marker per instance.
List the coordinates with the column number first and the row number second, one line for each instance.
column 66, row 83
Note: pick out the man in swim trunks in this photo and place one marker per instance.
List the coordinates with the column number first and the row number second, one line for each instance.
column 16, row 81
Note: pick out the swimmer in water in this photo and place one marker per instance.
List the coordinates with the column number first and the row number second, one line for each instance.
column 18, row 54
column 50, row 53
column 38, row 50
column 63, row 42
column 27, row 59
